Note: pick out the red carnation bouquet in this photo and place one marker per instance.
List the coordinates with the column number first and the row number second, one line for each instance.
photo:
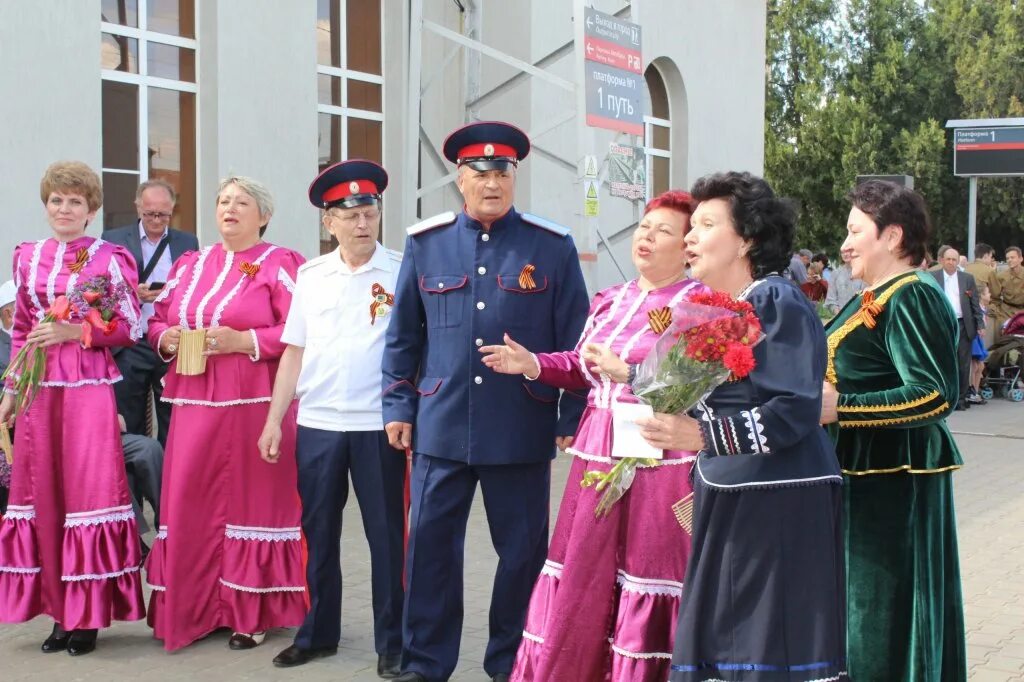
column 710, row 340
column 95, row 302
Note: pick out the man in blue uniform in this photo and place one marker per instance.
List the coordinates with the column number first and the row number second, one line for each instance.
column 465, row 280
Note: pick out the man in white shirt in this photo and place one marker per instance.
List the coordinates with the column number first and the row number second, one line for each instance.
column 962, row 293
column 335, row 334
column 155, row 246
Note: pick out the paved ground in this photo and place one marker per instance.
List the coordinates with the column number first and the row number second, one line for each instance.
column 990, row 510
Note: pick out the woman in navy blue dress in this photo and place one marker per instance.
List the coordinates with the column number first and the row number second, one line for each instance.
column 763, row 599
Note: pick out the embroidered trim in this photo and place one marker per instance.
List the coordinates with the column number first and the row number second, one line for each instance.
column 210, row 403
column 229, row 261
column 127, row 309
column 82, row 382
column 839, row 335
column 893, row 420
column 20, row 513
column 890, row 408
column 166, row 291
column 755, row 431
column 651, row 586
column 604, row 394
column 99, row 576
column 262, row 534
column 219, row 310
column 255, row 357
column 191, row 290
column 263, row 590
column 89, row 253
column 769, row 484
column 284, row 278
column 552, row 568
column 156, row 588
column 95, row 518
column 905, row 467
column 641, row 656
column 33, row 274
column 598, row 326
column 20, row 571
column 58, row 265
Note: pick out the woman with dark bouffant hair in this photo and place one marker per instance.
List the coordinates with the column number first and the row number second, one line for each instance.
column 763, row 595
column 605, row 604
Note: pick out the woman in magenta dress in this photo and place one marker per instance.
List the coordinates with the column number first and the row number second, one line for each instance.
column 69, row 546
column 228, row 552
column 605, row 605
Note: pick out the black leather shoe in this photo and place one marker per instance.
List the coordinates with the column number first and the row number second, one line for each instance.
column 500, row 677
column 57, row 641
column 295, row 655
column 410, row 677
column 82, row 642
column 389, row 666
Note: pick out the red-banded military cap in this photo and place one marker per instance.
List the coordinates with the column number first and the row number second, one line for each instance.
column 487, row 145
column 347, row 184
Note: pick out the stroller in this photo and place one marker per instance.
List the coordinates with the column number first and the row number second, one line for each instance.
column 1005, row 363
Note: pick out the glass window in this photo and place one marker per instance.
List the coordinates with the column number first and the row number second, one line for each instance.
column 362, row 34
column 168, row 61
column 329, row 89
column 119, row 53
column 328, row 21
column 330, row 140
column 119, row 199
column 123, row 12
column 364, row 139
column 174, row 17
column 366, row 96
column 172, row 147
column 120, row 125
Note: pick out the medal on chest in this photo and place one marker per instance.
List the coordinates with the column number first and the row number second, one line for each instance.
column 382, row 302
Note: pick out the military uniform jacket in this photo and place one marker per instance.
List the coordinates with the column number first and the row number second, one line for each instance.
column 461, row 287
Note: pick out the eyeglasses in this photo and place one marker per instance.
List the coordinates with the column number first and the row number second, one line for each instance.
column 353, row 218
column 153, row 215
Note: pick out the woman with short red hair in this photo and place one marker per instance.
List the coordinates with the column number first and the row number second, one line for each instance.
column 605, row 605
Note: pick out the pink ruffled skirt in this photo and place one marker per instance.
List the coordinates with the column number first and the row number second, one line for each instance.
column 229, row 550
column 605, row 605
column 69, row 545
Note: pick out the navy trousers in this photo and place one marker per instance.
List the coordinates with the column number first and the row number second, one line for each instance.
column 325, row 461
column 516, row 498
column 142, row 371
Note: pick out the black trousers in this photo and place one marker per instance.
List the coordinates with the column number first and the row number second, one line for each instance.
column 142, row 370
column 963, row 357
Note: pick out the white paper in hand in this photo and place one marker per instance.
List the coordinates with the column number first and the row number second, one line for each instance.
column 626, row 438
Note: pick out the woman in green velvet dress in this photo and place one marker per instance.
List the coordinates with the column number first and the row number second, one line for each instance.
column 891, row 380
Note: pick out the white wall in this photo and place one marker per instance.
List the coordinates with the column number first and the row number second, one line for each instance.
column 49, row 107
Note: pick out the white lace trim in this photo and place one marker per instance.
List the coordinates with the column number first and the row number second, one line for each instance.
column 532, row 637
column 651, row 586
column 156, row 588
column 210, row 403
column 608, row 460
column 168, row 288
column 642, row 656
column 263, row 590
column 229, row 261
column 99, row 576
column 219, row 310
column 20, row 571
column 91, row 251
column 128, row 311
column 161, row 533
column 98, row 516
column 841, row 676
column 262, row 534
column 197, row 269
column 51, row 280
column 604, row 395
column 552, row 569
column 284, row 278
column 587, row 336
column 755, row 431
column 33, row 274
column 160, row 353
column 255, row 357
column 20, row 513
column 81, row 382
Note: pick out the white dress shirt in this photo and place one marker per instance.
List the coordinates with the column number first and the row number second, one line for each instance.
column 340, row 324
column 160, row 271
column 952, row 287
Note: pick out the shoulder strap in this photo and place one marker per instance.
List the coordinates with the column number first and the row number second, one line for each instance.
column 151, row 265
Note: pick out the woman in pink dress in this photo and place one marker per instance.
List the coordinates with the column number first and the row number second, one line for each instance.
column 69, row 546
column 228, row 552
column 605, row 605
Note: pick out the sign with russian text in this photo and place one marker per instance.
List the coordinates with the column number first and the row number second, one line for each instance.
column 988, row 151
column 613, row 73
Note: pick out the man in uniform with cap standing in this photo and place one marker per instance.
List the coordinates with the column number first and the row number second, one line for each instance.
column 335, row 329
column 465, row 281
